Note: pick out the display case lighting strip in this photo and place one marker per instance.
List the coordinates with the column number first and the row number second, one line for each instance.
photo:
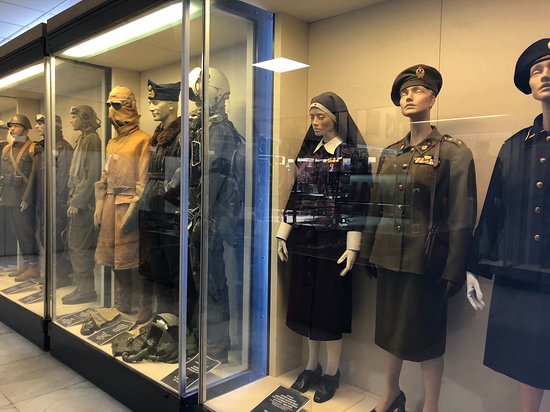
column 280, row 65
column 129, row 32
column 21, row 75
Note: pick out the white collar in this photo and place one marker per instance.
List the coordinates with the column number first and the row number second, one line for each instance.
column 331, row 145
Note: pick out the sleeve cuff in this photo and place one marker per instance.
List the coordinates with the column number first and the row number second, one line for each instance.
column 353, row 240
column 284, row 231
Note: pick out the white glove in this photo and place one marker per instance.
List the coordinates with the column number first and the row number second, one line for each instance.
column 282, row 251
column 473, row 292
column 349, row 256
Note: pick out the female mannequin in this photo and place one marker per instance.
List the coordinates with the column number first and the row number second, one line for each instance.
column 325, row 212
column 424, row 198
column 511, row 242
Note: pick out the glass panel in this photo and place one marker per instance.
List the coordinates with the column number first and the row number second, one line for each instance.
column 123, row 205
column 22, row 188
column 235, row 194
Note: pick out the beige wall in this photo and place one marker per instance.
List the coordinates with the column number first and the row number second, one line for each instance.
column 357, row 55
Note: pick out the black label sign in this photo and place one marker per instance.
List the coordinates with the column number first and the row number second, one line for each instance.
column 71, row 319
column 102, row 336
column 191, row 372
column 35, row 297
column 282, row 399
column 18, row 288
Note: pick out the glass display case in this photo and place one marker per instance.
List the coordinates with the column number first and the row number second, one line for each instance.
column 22, row 186
column 166, row 194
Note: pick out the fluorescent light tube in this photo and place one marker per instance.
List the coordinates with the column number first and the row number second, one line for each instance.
column 142, row 27
column 21, row 75
column 280, row 65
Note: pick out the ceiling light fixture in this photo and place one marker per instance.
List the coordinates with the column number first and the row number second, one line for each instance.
column 280, row 65
column 21, row 75
column 132, row 31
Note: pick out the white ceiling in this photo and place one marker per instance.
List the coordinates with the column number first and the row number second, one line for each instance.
column 17, row 16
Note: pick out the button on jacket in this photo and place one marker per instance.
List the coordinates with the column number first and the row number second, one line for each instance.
column 398, row 223
column 514, row 227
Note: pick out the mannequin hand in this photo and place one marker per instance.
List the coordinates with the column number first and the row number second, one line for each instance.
column 129, row 220
column 24, row 205
column 282, row 251
column 72, row 212
column 98, row 213
column 349, row 256
column 451, row 289
column 473, row 292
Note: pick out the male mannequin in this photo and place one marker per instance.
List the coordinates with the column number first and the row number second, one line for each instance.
column 63, row 153
column 118, row 192
column 159, row 223
column 20, row 165
column 85, row 170
column 225, row 201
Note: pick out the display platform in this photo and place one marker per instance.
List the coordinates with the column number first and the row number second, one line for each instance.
column 348, row 398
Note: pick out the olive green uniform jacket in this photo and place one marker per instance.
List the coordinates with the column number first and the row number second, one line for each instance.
column 398, row 224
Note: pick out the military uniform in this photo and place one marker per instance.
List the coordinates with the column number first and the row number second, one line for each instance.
column 396, row 234
column 512, row 242
column 17, row 186
column 85, row 170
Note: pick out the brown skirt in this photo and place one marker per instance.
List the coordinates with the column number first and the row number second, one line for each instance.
column 411, row 315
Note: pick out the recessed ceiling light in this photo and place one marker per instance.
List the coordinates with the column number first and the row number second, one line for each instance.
column 21, row 75
column 281, row 65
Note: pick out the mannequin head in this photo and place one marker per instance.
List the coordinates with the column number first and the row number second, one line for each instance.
column 415, row 90
column 84, row 117
column 163, row 101
column 19, row 126
column 40, row 125
column 323, row 123
column 122, row 107
column 530, row 65
column 218, row 88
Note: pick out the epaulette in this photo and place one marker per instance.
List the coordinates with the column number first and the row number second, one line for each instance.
column 454, row 140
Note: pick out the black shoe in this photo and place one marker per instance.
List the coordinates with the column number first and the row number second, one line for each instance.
column 327, row 387
column 398, row 404
column 307, row 378
column 80, row 297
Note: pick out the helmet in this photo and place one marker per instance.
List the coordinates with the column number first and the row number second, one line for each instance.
column 20, row 119
column 218, row 85
column 87, row 114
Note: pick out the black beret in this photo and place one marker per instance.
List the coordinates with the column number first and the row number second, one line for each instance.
column 534, row 52
column 169, row 92
column 417, row 75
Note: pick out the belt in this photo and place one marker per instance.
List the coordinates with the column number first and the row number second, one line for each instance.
column 121, row 191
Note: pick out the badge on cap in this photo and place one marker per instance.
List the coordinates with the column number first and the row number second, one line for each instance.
column 420, row 72
column 150, row 92
column 549, row 45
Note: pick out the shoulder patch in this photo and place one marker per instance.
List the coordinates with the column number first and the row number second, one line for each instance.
column 454, row 140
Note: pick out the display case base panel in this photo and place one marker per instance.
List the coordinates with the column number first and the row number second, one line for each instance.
column 117, row 379
column 28, row 294
column 26, row 323
column 347, row 398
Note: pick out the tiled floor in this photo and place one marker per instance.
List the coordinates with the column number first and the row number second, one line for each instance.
column 31, row 380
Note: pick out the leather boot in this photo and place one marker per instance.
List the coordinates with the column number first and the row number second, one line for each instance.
column 145, row 311
column 85, row 292
column 19, row 271
column 32, row 272
column 123, row 290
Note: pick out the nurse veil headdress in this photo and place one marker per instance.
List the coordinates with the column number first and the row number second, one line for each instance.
column 346, row 129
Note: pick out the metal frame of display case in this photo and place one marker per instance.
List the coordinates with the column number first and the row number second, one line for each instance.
column 22, row 51
column 128, row 386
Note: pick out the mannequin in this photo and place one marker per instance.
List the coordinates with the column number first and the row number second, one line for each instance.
column 159, row 221
column 117, row 194
column 85, row 170
column 20, row 168
column 63, row 153
column 511, row 243
column 224, row 203
column 321, row 227
column 424, row 190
